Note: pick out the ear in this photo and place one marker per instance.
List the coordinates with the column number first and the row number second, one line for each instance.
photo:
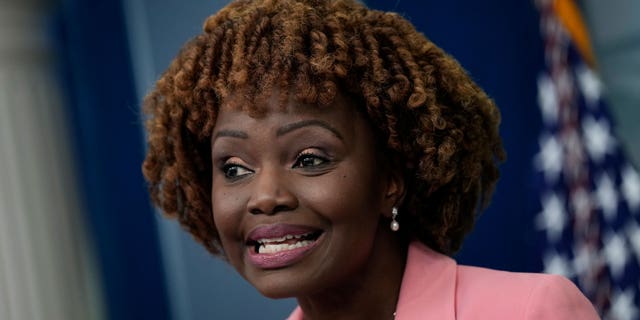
column 394, row 192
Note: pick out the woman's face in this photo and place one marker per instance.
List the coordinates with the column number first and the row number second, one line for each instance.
column 297, row 195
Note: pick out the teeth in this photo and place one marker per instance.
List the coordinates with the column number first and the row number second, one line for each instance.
column 287, row 237
column 273, row 248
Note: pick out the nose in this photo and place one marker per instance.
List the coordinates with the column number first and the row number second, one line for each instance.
column 271, row 193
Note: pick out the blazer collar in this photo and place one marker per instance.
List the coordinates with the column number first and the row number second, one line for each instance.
column 428, row 285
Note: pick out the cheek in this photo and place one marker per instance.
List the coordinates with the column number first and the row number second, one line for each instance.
column 226, row 207
column 345, row 196
column 226, row 211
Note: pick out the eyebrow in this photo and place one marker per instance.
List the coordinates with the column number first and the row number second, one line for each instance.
column 307, row 123
column 232, row 134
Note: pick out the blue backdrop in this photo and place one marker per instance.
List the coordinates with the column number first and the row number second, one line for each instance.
column 103, row 108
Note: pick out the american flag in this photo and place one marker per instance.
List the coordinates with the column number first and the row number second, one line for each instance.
column 588, row 215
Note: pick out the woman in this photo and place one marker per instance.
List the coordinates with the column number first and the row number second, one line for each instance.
column 331, row 153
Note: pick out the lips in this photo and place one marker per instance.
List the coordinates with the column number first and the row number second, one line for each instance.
column 280, row 245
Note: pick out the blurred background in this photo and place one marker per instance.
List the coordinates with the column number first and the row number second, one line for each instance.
column 79, row 240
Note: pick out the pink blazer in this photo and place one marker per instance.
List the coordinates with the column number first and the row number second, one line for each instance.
column 434, row 286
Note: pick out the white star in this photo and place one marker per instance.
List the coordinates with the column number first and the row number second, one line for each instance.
column 607, row 196
column 547, row 99
column 590, row 85
column 598, row 138
column 631, row 188
column 550, row 158
column 557, row 264
column 553, row 216
column 623, row 306
column 633, row 234
column 615, row 253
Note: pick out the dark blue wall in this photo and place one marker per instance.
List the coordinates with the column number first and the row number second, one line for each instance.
column 103, row 108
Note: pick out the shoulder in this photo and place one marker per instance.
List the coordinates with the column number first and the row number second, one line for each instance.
column 520, row 295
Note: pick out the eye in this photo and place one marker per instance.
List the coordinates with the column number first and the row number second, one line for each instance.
column 309, row 160
column 234, row 171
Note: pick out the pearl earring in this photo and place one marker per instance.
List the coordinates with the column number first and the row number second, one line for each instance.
column 395, row 226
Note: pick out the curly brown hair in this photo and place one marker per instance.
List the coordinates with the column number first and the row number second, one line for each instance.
column 426, row 111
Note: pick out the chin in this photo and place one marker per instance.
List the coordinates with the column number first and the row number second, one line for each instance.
column 289, row 282
column 279, row 289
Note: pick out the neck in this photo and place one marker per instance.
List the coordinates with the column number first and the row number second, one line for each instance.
column 370, row 294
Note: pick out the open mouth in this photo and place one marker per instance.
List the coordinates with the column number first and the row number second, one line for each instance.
column 284, row 243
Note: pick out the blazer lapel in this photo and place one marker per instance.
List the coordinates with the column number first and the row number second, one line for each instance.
column 428, row 289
